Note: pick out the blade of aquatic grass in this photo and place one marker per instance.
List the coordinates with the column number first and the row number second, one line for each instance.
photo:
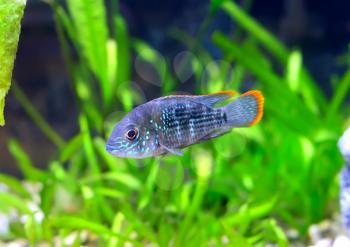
column 123, row 50
column 88, row 100
column 117, row 227
column 293, row 70
column 33, row 230
column 33, row 113
column 137, row 223
column 47, row 196
column 256, row 29
column 79, row 75
column 71, row 148
column 153, row 58
column 146, row 196
column 273, row 232
column 14, row 185
column 11, row 201
column 203, row 166
column 78, row 223
column 111, row 193
column 66, row 23
column 274, row 89
column 24, row 163
column 76, row 164
column 235, row 238
column 165, row 233
column 89, row 18
column 313, row 95
column 88, row 146
column 341, row 91
column 11, row 13
column 99, row 204
column 121, row 177
column 248, row 213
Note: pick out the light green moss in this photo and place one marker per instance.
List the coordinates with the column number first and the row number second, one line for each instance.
column 11, row 13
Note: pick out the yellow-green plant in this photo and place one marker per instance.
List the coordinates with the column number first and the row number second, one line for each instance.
column 11, row 13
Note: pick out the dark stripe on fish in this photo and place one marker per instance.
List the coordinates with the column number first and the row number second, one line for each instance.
column 184, row 123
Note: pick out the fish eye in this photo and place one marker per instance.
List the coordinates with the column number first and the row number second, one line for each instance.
column 131, row 134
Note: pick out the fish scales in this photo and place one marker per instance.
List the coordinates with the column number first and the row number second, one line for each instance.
column 167, row 124
column 184, row 123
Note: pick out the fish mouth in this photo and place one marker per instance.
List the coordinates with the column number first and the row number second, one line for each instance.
column 111, row 148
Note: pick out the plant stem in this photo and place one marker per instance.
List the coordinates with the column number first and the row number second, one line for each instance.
column 34, row 114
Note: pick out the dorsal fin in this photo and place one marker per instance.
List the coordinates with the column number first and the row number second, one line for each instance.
column 207, row 99
column 214, row 98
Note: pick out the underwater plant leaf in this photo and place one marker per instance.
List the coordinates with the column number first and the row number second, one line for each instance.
column 215, row 5
column 314, row 98
column 37, row 118
column 88, row 146
column 15, row 185
column 272, row 83
column 11, row 13
column 123, row 50
column 11, row 201
column 121, row 177
column 71, row 148
column 78, row 223
column 24, row 163
column 341, row 91
column 89, row 18
column 293, row 70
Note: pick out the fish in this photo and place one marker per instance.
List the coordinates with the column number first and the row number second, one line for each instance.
column 168, row 124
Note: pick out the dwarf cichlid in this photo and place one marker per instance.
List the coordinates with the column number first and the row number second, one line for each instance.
column 170, row 123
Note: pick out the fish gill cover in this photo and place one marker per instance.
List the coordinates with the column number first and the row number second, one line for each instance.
column 11, row 13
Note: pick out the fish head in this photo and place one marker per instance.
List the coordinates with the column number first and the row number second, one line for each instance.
column 132, row 137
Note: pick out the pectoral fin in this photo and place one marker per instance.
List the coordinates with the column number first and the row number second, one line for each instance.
column 175, row 151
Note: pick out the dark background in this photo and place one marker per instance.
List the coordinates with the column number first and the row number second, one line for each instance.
column 321, row 29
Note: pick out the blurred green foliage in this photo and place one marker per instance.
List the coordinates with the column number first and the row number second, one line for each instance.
column 11, row 13
column 247, row 188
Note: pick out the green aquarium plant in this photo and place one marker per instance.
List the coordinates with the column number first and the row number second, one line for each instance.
column 248, row 188
column 11, row 13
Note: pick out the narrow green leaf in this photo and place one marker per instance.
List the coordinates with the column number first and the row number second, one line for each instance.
column 88, row 146
column 11, row 13
column 293, row 70
column 89, row 18
column 123, row 50
column 307, row 120
column 11, row 201
column 117, row 227
column 256, row 29
column 121, row 177
column 15, row 185
column 215, row 5
column 24, row 162
column 77, row 223
column 71, row 148
column 235, row 238
column 33, row 113
column 311, row 91
column 340, row 94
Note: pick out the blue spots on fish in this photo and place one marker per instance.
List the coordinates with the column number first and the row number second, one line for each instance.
column 170, row 123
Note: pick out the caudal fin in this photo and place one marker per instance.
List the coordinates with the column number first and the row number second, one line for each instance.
column 246, row 110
